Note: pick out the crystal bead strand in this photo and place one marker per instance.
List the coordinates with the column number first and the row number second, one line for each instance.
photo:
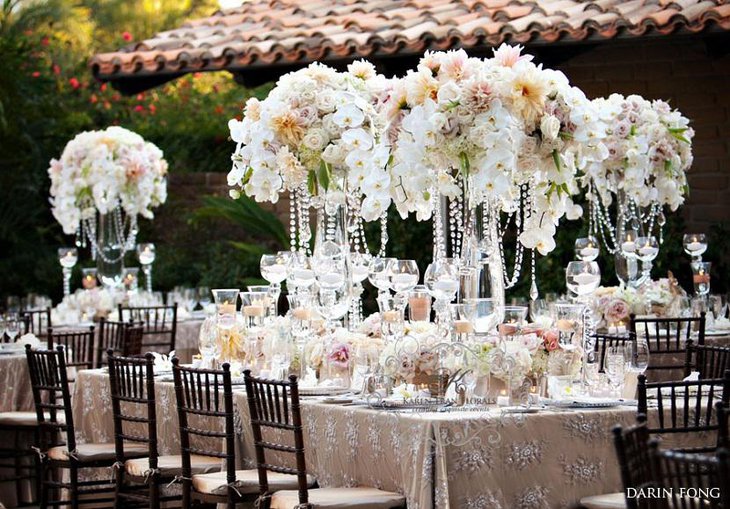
column 439, row 240
column 383, row 234
column 534, row 292
column 459, row 225
column 452, row 212
column 293, row 220
column 525, row 198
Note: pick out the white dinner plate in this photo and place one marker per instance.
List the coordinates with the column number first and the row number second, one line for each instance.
column 322, row 391
column 587, row 403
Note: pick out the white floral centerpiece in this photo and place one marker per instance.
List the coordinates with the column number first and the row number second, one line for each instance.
column 613, row 305
column 101, row 170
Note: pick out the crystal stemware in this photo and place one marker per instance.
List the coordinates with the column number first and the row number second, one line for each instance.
column 647, row 250
column 587, row 248
column 627, row 269
column 378, row 273
column 627, row 243
column 12, row 326
column 582, row 278
column 146, row 257
column 615, row 367
column 274, row 269
column 569, row 322
column 701, row 277
column 636, row 354
column 203, row 296
column 403, row 275
column 695, row 245
column 442, row 280
column 300, row 273
column 67, row 257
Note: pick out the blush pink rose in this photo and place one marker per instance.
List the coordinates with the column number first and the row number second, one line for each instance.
column 616, row 311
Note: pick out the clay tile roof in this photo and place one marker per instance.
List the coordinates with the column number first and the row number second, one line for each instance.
column 290, row 32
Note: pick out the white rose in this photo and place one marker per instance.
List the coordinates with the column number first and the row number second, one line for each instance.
column 315, row 139
column 550, row 127
column 449, row 93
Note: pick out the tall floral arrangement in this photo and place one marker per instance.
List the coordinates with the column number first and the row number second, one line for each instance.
column 103, row 170
column 317, row 129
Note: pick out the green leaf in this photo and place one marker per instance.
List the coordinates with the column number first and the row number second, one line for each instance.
column 324, row 175
column 632, row 132
column 312, row 183
column 556, row 159
column 565, row 135
column 247, row 248
column 464, row 164
column 677, row 132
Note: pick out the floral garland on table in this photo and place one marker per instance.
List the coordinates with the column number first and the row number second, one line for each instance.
column 649, row 152
column 103, row 170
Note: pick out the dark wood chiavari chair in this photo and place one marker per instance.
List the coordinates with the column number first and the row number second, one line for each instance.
column 685, row 406
column 603, row 341
column 138, row 480
column 723, row 420
column 205, row 411
column 37, row 321
column 77, row 344
column 691, row 481
column 274, row 405
column 123, row 338
column 160, row 325
column 667, row 339
column 632, row 452
column 52, row 399
column 711, row 361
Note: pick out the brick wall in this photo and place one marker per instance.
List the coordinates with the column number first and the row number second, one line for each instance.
column 680, row 70
column 685, row 72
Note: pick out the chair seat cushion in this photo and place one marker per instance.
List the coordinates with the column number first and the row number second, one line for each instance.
column 29, row 419
column 247, row 482
column 97, row 452
column 608, row 501
column 344, row 498
column 170, row 466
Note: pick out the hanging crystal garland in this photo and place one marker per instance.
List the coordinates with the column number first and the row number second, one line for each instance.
column 127, row 241
column 524, row 205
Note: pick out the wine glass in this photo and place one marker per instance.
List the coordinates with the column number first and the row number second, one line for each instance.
column 615, row 366
column 359, row 266
column 378, row 273
column 362, row 360
column 300, row 273
column 12, row 326
column 483, row 313
column 695, row 245
column 626, row 269
column 146, row 257
column 636, row 354
column 208, row 344
column 582, row 278
column 646, row 251
column 67, row 257
column 274, row 269
column 203, row 296
column 332, row 303
column 442, row 280
column 403, row 275
column 587, row 248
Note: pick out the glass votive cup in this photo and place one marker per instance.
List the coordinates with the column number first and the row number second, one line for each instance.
column 88, row 278
column 419, row 304
column 253, row 308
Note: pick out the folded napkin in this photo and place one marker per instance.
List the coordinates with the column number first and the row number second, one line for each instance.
column 163, row 363
column 722, row 324
column 29, row 339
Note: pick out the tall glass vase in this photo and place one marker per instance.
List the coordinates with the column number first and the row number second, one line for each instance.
column 110, row 249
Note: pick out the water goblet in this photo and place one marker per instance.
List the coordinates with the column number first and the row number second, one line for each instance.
column 274, row 269
column 202, row 294
column 695, row 245
column 442, row 280
column 12, row 326
column 615, row 367
column 146, row 257
column 582, row 278
column 403, row 275
column 378, row 273
column 67, row 257
column 587, row 248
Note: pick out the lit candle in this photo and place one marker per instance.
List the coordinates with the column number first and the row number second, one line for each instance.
column 589, row 252
column 503, row 399
column 390, row 316
column 253, row 310
column 463, row 327
column 612, row 329
column 647, row 250
column 629, row 246
column 420, row 308
column 565, row 325
column 694, row 246
column 586, row 278
column 301, row 313
column 227, row 308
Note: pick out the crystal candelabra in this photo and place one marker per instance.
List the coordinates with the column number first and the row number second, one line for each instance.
column 67, row 257
column 146, row 256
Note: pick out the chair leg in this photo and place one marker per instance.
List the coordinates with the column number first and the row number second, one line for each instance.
column 118, row 486
column 74, row 487
column 42, row 484
column 186, row 499
column 154, row 492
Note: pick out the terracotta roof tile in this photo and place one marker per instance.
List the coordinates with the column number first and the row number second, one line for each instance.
column 262, row 32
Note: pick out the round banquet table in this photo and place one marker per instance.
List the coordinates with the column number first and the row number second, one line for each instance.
column 456, row 459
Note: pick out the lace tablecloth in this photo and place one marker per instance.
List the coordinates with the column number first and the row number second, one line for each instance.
column 15, row 392
column 465, row 460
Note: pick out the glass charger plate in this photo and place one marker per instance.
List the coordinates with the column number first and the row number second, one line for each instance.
column 587, row 403
column 322, row 391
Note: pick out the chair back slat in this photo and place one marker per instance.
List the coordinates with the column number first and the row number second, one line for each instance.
column 274, row 404
column 667, row 338
column 159, row 323
column 691, row 481
column 37, row 321
column 51, row 395
column 78, row 345
column 632, row 451
column 132, row 384
column 203, row 413
column 685, row 406
column 711, row 361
